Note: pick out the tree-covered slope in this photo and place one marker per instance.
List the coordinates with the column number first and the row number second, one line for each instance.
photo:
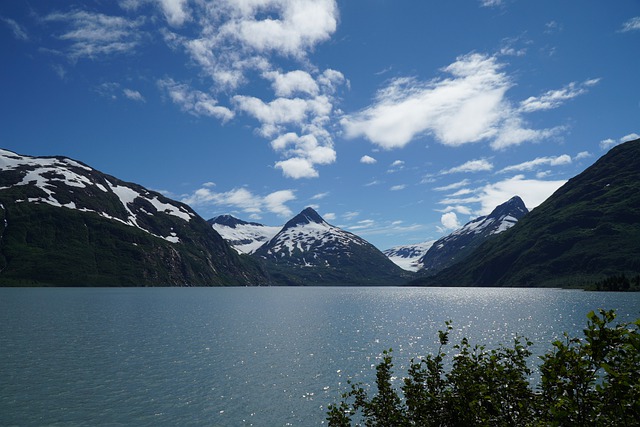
column 63, row 223
column 587, row 230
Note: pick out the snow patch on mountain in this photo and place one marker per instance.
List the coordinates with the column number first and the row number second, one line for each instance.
column 244, row 237
column 56, row 177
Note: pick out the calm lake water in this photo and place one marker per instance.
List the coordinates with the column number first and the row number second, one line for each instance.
column 243, row 356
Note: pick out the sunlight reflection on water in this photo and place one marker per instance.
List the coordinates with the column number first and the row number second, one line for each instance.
column 244, row 356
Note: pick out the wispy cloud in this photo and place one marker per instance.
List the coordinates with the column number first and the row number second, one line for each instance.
column 632, row 24
column 555, row 98
column 479, row 165
column 93, row 35
column 241, row 198
column 454, row 186
column 564, row 159
column 18, row 31
column 133, row 95
column 398, row 187
column 194, row 101
column 468, row 106
column 491, row 3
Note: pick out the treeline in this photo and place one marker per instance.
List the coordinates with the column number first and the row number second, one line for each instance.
column 593, row 381
column 618, row 283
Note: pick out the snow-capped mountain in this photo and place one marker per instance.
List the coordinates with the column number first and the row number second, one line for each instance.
column 320, row 253
column 245, row 237
column 408, row 257
column 83, row 227
column 456, row 246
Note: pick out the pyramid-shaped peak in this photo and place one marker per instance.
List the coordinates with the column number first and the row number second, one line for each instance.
column 514, row 207
column 307, row 216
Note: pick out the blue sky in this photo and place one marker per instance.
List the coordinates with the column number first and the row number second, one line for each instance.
column 396, row 120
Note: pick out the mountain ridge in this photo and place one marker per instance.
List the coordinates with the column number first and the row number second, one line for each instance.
column 65, row 223
column 456, row 246
column 308, row 250
column 586, row 231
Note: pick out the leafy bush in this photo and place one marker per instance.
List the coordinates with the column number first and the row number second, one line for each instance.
column 594, row 381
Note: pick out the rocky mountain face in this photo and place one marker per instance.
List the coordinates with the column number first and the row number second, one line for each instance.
column 65, row 223
column 308, row 250
column 461, row 243
column 408, row 257
column 244, row 237
column 586, row 231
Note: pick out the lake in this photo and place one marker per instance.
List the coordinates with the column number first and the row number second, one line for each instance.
column 244, row 356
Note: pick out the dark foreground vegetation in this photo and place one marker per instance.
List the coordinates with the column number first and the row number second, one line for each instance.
column 593, row 381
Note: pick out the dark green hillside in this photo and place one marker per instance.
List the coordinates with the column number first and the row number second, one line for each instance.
column 586, row 231
column 46, row 245
column 63, row 223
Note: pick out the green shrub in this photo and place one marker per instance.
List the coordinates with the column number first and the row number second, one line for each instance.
column 594, row 381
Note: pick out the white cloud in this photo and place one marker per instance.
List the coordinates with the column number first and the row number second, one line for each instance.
column 582, row 155
column 233, row 40
column 491, row 3
column 289, row 27
column 563, row 159
column 297, row 168
column 364, row 224
column 133, row 95
column 454, row 186
column 350, row 215
column 320, row 196
column 293, row 82
column 632, row 24
column 515, row 132
column 237, row 36
column 461, row 109
column 450, row 221
column 304, row 152
column 94, row 34
column 608, row 143
column 480, row 165
column 194, row 101
column 275, row 202
column 555, row 98
column 368, row 160
column 175, row 11
column 329, row 216
column 468, row 106
column 243, row 199
column 398, row 187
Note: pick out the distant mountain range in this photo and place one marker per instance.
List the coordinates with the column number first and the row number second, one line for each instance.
column 588, row 230
column 64, row 223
